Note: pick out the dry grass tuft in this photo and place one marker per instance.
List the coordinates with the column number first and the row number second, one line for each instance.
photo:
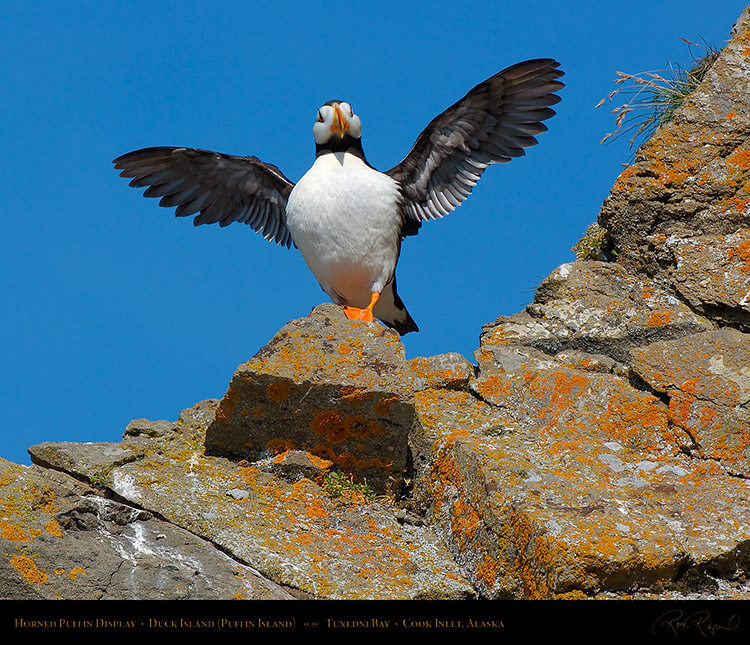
column 655, row 96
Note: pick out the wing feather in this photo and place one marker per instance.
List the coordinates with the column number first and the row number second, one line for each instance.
column 494, row 123
column 220, row 188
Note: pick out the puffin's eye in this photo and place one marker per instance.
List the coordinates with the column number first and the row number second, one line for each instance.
column 351, row 111
column 320, row 117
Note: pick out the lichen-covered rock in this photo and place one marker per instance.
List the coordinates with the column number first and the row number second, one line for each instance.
column 707, row 379
column 571, row 480
column 93, row 460
column 294, row 533
column 712, row 274
column 689, row 189
column 596, row 308
column 297, row 464
column 60, row 540
column 325, row 385
column 449, row 371
column 577, row 487
column 271, row 516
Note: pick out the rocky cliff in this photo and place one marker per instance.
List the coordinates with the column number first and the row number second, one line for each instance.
column 599, row 446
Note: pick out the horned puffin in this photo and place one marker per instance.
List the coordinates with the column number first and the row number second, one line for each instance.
column 346, row 218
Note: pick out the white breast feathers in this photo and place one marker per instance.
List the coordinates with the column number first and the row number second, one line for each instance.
column 344, row 217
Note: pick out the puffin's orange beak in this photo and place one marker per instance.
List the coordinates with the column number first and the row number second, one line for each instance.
column 340, row 125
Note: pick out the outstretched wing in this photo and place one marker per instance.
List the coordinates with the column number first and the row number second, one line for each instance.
column 220, row 188
column 493, row 123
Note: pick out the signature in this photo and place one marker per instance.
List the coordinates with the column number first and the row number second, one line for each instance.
column 678, row 622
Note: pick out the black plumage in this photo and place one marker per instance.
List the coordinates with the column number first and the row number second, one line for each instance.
column 220, row 188
column 493, row 123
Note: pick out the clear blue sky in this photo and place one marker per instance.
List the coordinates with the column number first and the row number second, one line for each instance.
column 112, row 309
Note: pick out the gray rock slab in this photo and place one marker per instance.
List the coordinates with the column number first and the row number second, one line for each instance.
column 60, row 540
column 597, row 308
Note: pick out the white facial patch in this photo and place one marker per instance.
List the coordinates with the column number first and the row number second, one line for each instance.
column 355, row 125
column 323, row 127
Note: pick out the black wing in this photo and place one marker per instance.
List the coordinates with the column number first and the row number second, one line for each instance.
column 493, row 123
column 220, row 188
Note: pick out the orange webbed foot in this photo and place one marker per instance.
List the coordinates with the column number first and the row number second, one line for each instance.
column 355, row 313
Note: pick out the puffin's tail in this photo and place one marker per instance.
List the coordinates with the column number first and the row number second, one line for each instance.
column 391, row 311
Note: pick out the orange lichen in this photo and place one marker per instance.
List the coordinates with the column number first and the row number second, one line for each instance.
column 53, row 528
column 224, row 411
column 658, row 318
column 744, row 38
column 337, row 427
column 677, row 173
column 743, row 253
column 28, row 569
column 560, row 398
column 353, row 395
column 680, row 408
column 383, row 405
column 229, row 398
column 445, row 467
column 532, row 556
column 634, row 420
column 6, row 478
column 737, row 205
column 707, row 415
column 43, row 498
column 740, row 158
column 12, row 532
column 648, row 291
column 346, row 460
column 278, row 446
column 465, row 522
column 623, row 178
column 313, row 506
column 321, row 463
column 329, row 423
column 349, row 461
column 487, row 571
column 576, row 594
column 324, row 452
column 278, row 391
column 495, row 387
